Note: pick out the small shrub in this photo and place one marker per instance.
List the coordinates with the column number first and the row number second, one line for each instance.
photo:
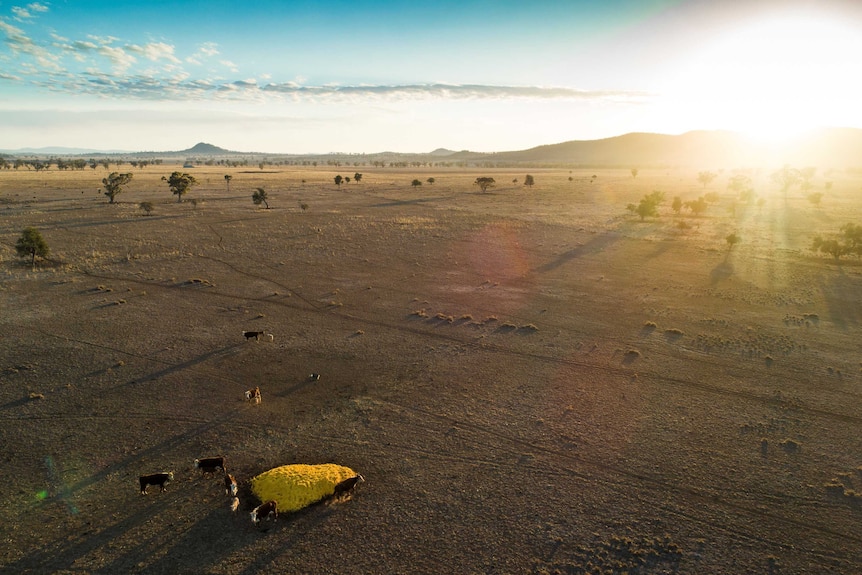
column 790, row 446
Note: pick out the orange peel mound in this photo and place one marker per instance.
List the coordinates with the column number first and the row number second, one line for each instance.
column 299, row 485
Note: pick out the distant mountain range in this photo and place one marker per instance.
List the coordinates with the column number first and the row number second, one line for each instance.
column 828, row 147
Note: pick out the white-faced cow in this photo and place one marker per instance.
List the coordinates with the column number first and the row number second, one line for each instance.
column 253, row 334
column 159, row 479
column 230, row 486
column 253, row 395
column 210, row 464
column 268, row 510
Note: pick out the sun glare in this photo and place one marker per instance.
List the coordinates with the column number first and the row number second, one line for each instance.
column 772, row 79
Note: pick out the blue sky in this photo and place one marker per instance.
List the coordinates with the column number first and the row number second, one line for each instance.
column 367, row 76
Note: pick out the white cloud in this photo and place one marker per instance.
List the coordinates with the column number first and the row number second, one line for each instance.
column 155, row 51
column 118, row 57
column 230, row 65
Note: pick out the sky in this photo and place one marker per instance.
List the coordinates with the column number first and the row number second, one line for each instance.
column 362, row 76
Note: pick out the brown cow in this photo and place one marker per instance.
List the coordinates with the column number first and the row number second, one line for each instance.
column 268, row 510
column 253, row 395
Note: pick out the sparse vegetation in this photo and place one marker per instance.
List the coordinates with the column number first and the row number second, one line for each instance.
column 648, row 206
column 260, row 197
column 31, row 244
column 147, row 207
column 114, row 184
column 485, row 183
column 180, row 183
column 621, row 356
column 848, row 241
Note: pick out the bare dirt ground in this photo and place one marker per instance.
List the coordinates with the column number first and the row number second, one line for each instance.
column 530, row 380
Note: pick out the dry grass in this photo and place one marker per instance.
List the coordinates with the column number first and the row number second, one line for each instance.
column 518, row 443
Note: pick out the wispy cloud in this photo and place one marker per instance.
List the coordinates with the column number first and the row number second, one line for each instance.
column 21, row 44
column 205, row 50
column 450, row 91
column 108, row 67
column 155, row 51
column 26, row 13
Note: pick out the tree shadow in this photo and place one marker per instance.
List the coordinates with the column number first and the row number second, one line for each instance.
column 721, row 272
column 396, row 203
column 842, row 296
column 596, row 245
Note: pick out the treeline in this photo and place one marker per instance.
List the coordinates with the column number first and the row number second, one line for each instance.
column 63, row 164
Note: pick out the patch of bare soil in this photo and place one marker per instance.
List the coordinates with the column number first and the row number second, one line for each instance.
column 531, row 380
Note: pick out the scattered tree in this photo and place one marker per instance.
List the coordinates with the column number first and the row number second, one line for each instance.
column 415, row 183
column 786, row 178
column 338, row 180
column 529, row 181
column 146, row 206
column 634, row 172
column 227, row 179
column 32, row 245
column 357, row 177
column 346, row 179
column 732, row 240
column 697, row 206
column 676, row 206
column 815, row 197
column 431, row 181
column 484, row 183
column 706, row 178
column 648, row 206
column 114, row 184
column 180, row 183
column 849, row 241
column 259, row 197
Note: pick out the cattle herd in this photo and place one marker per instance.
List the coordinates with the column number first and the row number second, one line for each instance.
column 209, row 466
column 267, row 510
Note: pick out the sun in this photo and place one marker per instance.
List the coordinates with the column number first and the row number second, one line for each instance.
column 772, row 79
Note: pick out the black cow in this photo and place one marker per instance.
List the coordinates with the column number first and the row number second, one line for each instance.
column 210, row 464
column 159, row 479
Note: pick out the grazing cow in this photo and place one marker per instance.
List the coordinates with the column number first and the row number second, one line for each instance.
column 253, row 395
column 234, row 504
column 229, row 485
column 268, row 510
column 253, row 334
column 210, row 464
column 344, row 488
column 159, row 479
